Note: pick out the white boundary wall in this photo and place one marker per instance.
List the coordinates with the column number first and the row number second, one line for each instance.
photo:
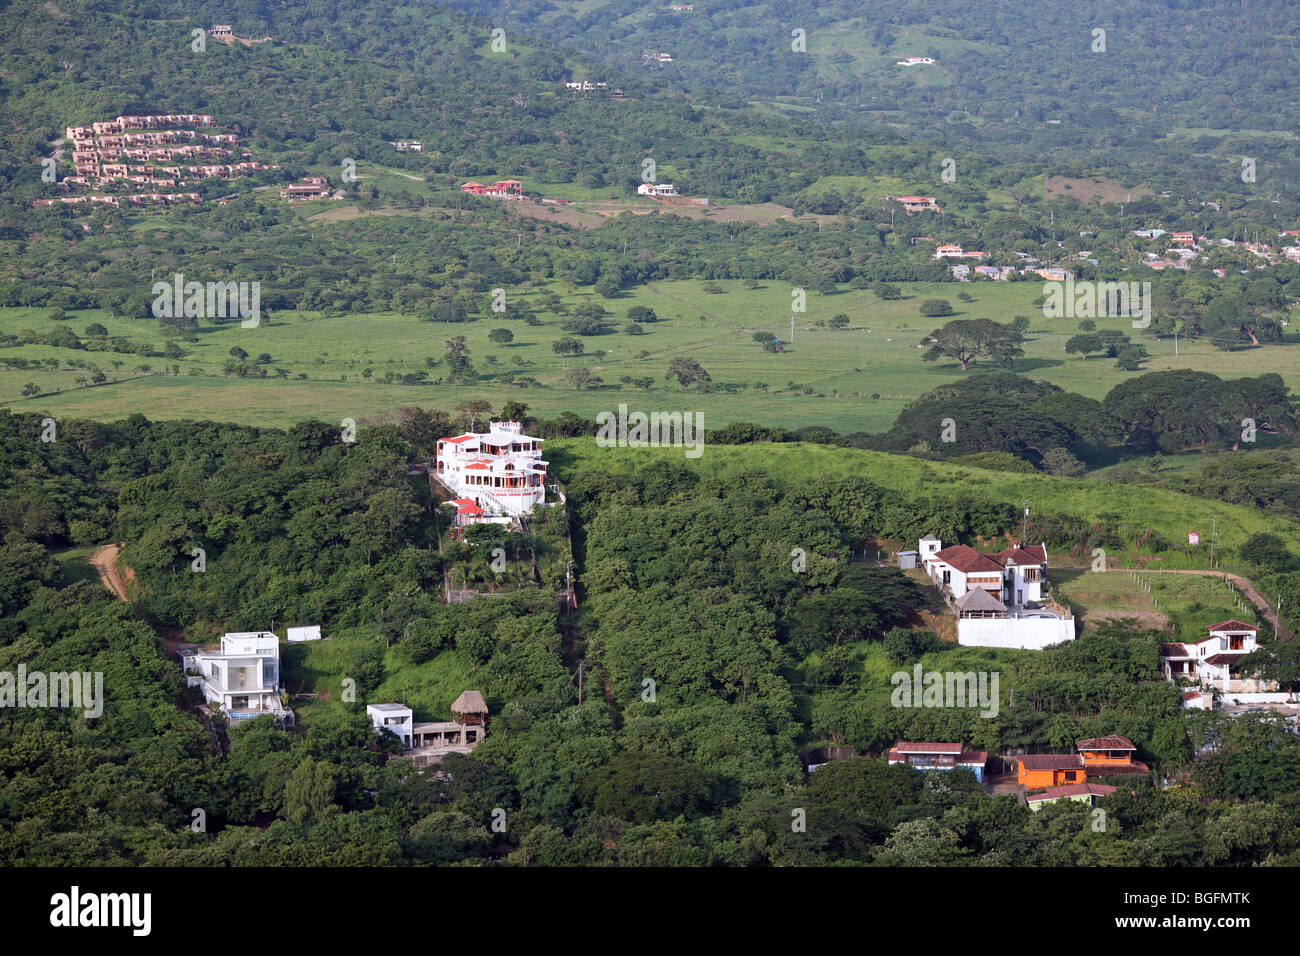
column 1026, row 633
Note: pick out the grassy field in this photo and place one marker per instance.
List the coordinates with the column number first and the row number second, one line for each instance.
column 856, row 379
column 1184, row 604
column 1169, row 513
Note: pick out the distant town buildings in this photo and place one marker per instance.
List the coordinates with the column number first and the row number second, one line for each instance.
column 414, row 146
column 915, row 61
column 158, row 152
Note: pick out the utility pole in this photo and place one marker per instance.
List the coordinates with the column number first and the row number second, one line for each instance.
column 1024, row 525
column 791, row 329
column 1175, row 344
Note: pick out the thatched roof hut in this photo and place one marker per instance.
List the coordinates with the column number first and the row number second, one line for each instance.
column 470, row 707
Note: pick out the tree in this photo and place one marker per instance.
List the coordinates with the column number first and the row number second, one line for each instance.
column 501, row 336
column 1087, row 325
column 1019, row 324
column 969, row 339
column 31, row 388
column 1059, row 462
column 1131, row 357
column 460, row 368
column 1083, row 345
column 607, row 285
column 567, row 346
column 688, row 372
column 633, row 329
column 238, row 353
column 888, row 291
column 582, row 377
column 935, row 308
column 1267, row 550
column 309, row 792
column 640, row 313
column 840, row 321
column 583, row 325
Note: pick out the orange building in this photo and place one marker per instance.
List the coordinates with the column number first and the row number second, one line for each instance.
column 1036, row 771
column 1106, row 750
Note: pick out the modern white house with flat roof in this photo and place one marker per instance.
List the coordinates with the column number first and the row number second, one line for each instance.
column 243, row 679
column 397, row 718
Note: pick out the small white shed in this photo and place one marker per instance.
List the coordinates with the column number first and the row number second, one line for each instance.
column 297, row 634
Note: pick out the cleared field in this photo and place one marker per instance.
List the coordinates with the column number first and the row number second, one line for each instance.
column 855, row 379
column 1183, row 604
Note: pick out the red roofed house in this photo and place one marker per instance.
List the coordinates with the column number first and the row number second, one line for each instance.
column 1000, row 598
column 1110, row 756
column 932, row 756
column 1049, row 770
column 1214, row 661
column 917, row 203
column 500, row 471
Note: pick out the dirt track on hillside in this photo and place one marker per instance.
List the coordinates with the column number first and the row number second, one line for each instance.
column 104, row 561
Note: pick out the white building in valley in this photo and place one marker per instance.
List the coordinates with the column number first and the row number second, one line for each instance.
column 1000, row 598
column 243, row 679
column 500, row 471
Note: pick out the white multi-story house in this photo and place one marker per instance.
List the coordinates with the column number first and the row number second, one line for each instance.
column 396, row 718
column 500, row 471
column 243, row 679
column 1015, row 575
column 1000, row 599
column 1213, row 663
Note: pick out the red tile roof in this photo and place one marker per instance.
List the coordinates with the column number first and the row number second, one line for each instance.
column 1071, row 790
column 1174, row 650
column 1233, row 625
column 1051, row 761
column 1225, row 658
column 1032, row 554
column 1112, row 742
column 904, row 747
column 967, row 560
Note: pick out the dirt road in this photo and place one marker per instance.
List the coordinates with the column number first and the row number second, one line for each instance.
column 104, row 561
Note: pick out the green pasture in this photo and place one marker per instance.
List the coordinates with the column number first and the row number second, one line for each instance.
column 851, row 380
